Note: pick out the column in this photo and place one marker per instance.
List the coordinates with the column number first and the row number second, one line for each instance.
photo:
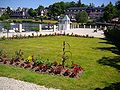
column 105, row 28
column 40, row 27
column 84, row 26
column 90, row 26
column 95, row 27
column 20, row 28
column 78, row 25
column 54, row 28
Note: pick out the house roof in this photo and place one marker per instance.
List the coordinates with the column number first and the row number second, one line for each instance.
column 66, row 18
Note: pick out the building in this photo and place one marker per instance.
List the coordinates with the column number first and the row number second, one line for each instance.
column 20, row 13
column 94, row 13
column 2, row 10
column 43, row 12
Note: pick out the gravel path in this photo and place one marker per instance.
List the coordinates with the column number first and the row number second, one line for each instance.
column 12, row 84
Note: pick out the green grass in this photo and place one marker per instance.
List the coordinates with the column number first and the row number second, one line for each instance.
column 34, row 21
column 85, row 52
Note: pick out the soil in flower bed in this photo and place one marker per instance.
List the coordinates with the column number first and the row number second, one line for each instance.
column 51, row 68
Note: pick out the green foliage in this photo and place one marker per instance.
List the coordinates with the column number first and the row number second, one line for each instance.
column 6, row 26
column 117, row 5
column 64, row 55
column 109, row 12
column 3, row 38
column 32, row 12
column 36, row 29
column 19, row 54
column 1, row 52
column 39, row 60
column 82, row 17
column 59, row 8
column 8, row 11
column 103, row 5
column 56, row 9
column 4, row 16
column 85, row 52
column 48, row 62
column 40, row 7
column 113, row 36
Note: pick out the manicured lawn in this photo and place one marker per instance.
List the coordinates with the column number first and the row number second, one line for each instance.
column 85, row 52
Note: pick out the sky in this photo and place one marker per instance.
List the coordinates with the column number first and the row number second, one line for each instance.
column 35, row 3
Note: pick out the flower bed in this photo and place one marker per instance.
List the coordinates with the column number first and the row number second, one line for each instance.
column 43, row 67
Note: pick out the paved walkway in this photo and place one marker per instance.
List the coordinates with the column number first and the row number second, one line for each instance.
column 78, row 31
column 12, row 84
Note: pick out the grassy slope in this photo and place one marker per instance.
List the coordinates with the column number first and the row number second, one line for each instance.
column 84, row 52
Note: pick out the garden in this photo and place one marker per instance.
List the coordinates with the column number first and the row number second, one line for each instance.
column 74, row 63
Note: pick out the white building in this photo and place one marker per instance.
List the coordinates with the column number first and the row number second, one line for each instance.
column 64, row 24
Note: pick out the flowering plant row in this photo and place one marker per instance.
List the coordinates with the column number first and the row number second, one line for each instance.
column 41, row 66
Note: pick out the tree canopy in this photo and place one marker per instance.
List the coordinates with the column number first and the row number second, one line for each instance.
column 32, row 12
column 109, row 12
column 82, row 17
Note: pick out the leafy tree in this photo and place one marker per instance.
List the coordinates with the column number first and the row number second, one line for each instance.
column 91, row 5
column 32, row 12
column 56, row 9
column 73, row 4
column 109, row 12
column 103, row 5
column 4, row 16
column 8, row 11
column 40, row 7
column 117, row 6
column 59, row 8
column 82, row 17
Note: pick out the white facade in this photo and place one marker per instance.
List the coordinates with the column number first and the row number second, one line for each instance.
column 65, row 23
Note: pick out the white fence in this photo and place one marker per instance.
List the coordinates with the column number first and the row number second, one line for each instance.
column 74, row 29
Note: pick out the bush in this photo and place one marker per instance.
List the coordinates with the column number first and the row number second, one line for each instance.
column 113, row 36
column 39, row 61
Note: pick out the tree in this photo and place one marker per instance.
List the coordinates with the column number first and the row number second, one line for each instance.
column 109, row 12
column 38, row 10
column 59, row 8
column 4, row 16
column 103, row 5
column 56, row 9
column 82, row 17
column 8, row 11
column 91, row 5
column 32, row 12
column 40, row 7
column 7, row 27
column 117, row 6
